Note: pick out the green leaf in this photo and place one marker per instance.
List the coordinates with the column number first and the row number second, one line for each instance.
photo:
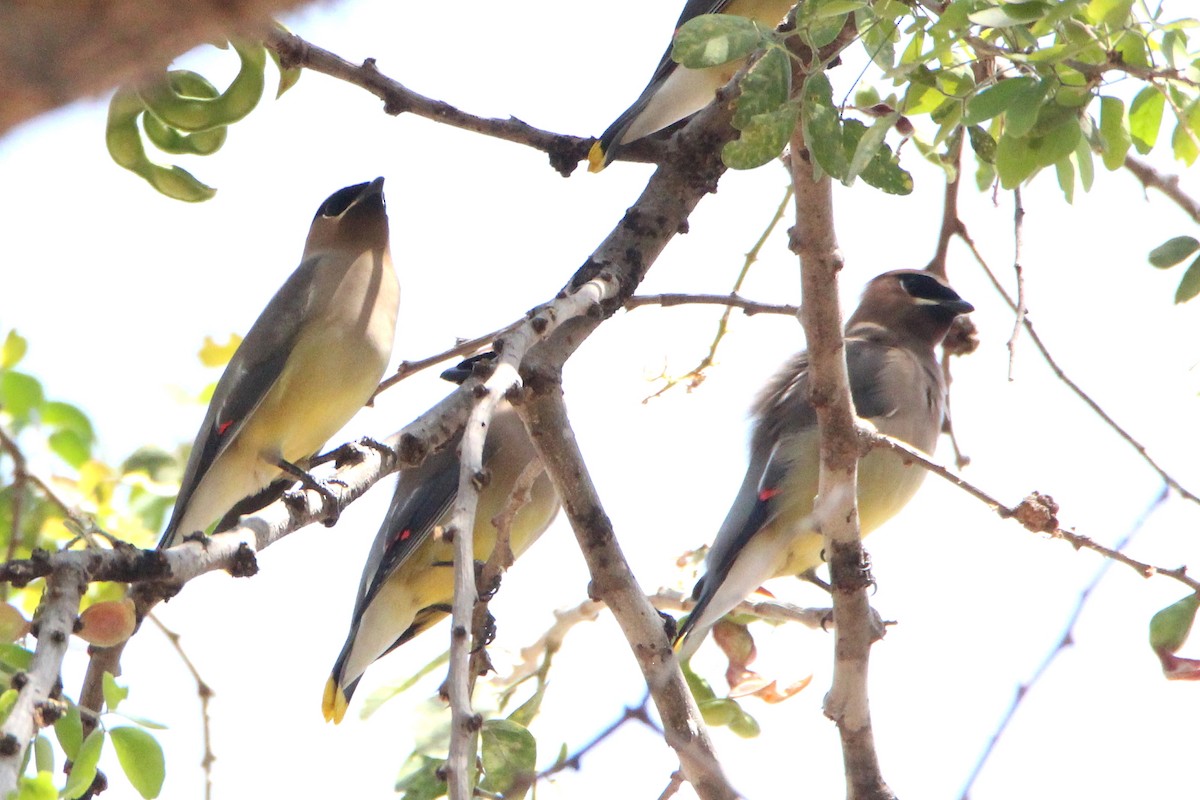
column 509, row 758
column 1108, row 12
column 1169, row 628
column 710, row 40
column 765, row 88
column 1015, row 161
column 1023, row 112
column 922, row 98
column 983, row 144
column 66, row 417
column 113, row 692
column 145, row 723
column 1174, row 48
column 68, row 446
column 15, row 657
column 43, row 754
column 762, row 140
column 878, row 37
column 83, row 767
column 1007, row 15
column 20, row 394
column 1056, row 143
column 419, row 779
column 883, row 172
column 69, row 730
column 1187, row 129
column 8, row 699
column 1145, row 118
column 822, row 128
column 1083, row 159
column 869, row 145
column 13, row 350
column 1114, row 132
column 142, row 759
column 821, row 30
column 1189, row 285
column 985, row 176
column 995, row 100
column 1173, row 251
column 39, row 787
column 744, row 725
column 1065, row 172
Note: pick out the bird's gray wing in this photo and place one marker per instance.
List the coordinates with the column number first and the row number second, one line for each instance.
column 249, row 376
column 422, row 498
column 693, row 8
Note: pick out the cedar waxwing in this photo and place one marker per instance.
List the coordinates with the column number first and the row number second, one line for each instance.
column 309, row 363
column 675, row 92
column 897, row 385
column 408, row 581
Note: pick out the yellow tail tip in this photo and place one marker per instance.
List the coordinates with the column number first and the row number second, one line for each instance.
column 333, row 702
column 596, row 158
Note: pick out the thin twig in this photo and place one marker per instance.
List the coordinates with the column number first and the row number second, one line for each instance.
column 1167, row 184
column 639, row 713
column 673, row 786
column 21, row 468
column 1036, row 513
column 497, row 563
column 818, row 618
column 695, row 376
column 750, row 307
column 1018, row 249
column 1074, row 387
column 205, row 692
column 463, row 348
column 1064, row 641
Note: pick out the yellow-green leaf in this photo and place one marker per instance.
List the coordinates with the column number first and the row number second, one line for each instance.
column 141, row 758
column 39, row 787
column 13, row 350
column 213, row 354
column 1114, row 132
column 69, row 730
column 83, row 766
column 1145, row 118
column 114, row 693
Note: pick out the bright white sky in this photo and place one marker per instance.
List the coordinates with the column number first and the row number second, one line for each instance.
column 115, row 287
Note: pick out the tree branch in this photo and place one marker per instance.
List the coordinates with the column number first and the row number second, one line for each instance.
column 53, row 626
column 1036, row 513
column 836, row 509
column 511, row 350
column 1167, row 184
column 613, row 583
column 565, row 151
